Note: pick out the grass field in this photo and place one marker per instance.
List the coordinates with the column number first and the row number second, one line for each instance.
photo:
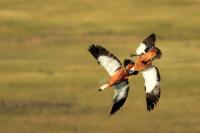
column 49, row 81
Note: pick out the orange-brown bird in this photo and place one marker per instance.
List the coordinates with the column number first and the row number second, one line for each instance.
column 147, row 52
column 119, row 74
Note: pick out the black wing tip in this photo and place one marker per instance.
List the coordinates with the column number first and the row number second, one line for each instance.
column 93, row 49
column 117, row 106
column 152, row 35
column 96, row 50
column 150, row 40
column 94, row 46
column 152, row 98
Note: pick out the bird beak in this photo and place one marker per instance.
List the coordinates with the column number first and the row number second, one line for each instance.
column 132, row 55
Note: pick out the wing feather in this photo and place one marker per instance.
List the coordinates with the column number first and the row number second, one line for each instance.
column 121, row 94
column 110, row 62
column 152, row 86
column 146, row 44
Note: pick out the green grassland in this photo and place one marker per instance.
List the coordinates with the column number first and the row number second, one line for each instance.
column 49, row 81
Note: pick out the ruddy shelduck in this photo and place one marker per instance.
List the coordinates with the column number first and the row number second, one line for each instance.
column 119, row 73
column 147, row 52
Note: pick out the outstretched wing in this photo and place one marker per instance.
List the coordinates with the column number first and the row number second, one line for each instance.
column 121, row 93
column 146, row 44
column 152, row 86
column 105, row 58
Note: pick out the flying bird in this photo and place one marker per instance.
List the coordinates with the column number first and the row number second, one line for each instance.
column 147, row 52
column 117, row 72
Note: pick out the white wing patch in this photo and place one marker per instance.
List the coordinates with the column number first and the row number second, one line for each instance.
column 121, row 93
column 109, row 63
column 151, row 78
column 147, row 42
column 141, row 49
column 121, row 90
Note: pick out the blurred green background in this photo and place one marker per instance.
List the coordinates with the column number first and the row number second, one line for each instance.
column 49, row 81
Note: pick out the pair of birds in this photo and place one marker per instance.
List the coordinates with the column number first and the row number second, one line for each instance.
column 119, row 74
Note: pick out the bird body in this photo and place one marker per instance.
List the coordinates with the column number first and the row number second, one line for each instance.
column 145, row 60
column 121, row 74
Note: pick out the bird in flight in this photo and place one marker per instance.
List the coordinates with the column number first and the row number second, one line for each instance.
column 147, row 52
column 119, row 74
